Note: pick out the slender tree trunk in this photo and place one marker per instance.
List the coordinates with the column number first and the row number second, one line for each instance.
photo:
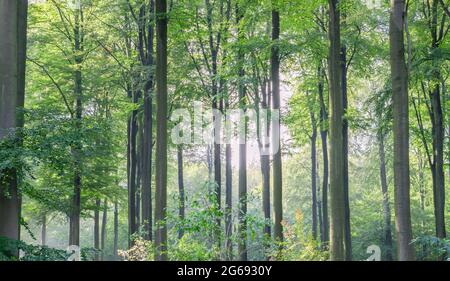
column 140, row 149
column 74, row 231
column 337, row 192
column 277, row 174
column 228, row 164
column 347, row 228
column 386, row 207
column 161, row 131
column 209, row 162
column 44, row 230
column 319, row 206
column 265, row 163
column 181, row 208
column 313, row 140
column 21, row 65
column 129, row 122
column 437, row 132
column 116, row 231
column 13, row 20
column 401, row 131
column 228, row 194
column 313, row 181
column 132, row 226
column 148, row 135
column 324, row 135
column 97, row 229
column 242, row 245
column 103, row 231
column 216, row 103
column 22, row 22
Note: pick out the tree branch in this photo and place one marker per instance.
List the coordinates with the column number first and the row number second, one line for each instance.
column 55, row 83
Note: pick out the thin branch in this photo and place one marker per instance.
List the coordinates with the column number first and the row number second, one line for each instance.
column 422, row 134
column 55, row 83
column 194, row 61
column 64, row 19
column 446, row 10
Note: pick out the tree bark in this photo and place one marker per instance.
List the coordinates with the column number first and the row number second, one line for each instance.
column 325, row 230
column 228, row 194
column 401, row 131
column 265, row 163
column 337, row 192
column 103, row 231
column 97, row 229
column 313, row 140
column 347, row 227
column 161, row 132
column 148, row 135
column 116, row 231
column 74, row 231
column 387, row 234
column 181, row 208
column 319, row 206
column 44, row 230
column 277, row 169
column 314, row 178
column 132, row 227
column 437, row 131
column 242, row 229
column 139, row 153
column 13, row 22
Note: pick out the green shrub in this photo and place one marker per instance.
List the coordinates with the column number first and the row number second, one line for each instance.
column 431, row 248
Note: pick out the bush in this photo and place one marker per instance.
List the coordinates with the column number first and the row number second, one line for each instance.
column 298, row 245
column 432, row 248
column 142, row 250
column 9, row 247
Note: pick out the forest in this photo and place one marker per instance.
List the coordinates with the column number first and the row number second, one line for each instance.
column 224, row 130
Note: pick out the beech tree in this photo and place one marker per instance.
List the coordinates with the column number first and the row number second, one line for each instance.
column 13, row 26
column 401, row 131
column 161, row 130
column 337, row 196
column 277, row 172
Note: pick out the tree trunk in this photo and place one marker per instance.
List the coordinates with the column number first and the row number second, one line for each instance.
column 324, row 135
column 319, row 206
column 265, row 163
column 242, row 245
column 180, row 190
column 139, row 154
column 22, row 14
column 13, row 19
column 228, row 194
column 74, row 231
column 337, row 192
column 347, row 228
column 132, row 227
column 97, row 229
column 277, row 171
column 161, row 132
column 148, row 136
column 116, row 231
column 313, row 140
column 44, row 230
column 437, row 132
column 103, row 231
column 313, row 181
column 386, row 207
column 401, row 131
column 214, row 49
